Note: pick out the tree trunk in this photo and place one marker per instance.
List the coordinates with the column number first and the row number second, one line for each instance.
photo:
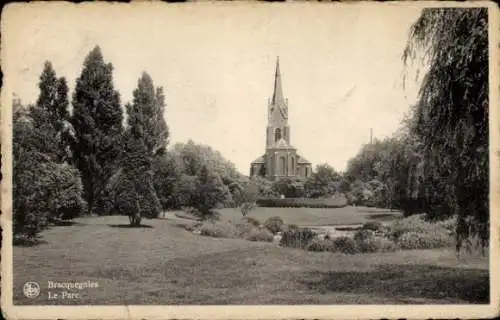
column 138, row 220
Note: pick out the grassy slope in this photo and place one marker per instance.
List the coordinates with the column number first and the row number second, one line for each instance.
column 164, row 264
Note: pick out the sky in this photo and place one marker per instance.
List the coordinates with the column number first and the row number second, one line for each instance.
column 341, row 67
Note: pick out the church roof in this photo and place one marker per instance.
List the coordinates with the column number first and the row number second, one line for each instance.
column 259, row 160
column 303, row 160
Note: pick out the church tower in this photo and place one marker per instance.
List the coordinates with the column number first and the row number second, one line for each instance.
column 277, row 119
column 280, row 159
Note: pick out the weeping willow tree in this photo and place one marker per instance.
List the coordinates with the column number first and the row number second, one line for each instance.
column 450, row 118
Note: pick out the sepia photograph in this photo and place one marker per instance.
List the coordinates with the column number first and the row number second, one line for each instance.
column 249, row 160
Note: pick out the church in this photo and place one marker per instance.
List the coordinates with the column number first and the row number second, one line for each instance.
column 281, row 159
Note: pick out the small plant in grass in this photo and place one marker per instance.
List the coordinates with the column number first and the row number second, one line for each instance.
column 263, row 235
column 274, row 224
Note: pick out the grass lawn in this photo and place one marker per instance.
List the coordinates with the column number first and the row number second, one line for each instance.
column 164, row 264
column 317, row 216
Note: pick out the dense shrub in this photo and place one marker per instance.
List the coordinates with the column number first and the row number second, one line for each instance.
column 321, row 245
column 345, row 245
column 372, row 225
column 414, row 223
column 362, row 235
column 218, row 230
column 418, row 224
column 302, row 203
column 274, row 224
column 43, row 191
column 244, row 229
column 448, row 224
column 260, row 235
column 297, row 238
column 416, row 240
column 193, row 226
column 375, row 244
column 253, row 221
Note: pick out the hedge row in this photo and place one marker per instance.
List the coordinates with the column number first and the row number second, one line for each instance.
column 301, row 203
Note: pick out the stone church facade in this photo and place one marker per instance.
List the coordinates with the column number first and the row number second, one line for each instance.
column 281, row 159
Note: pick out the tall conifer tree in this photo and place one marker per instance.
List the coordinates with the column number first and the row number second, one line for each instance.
column 51, row 114
column 97, row 120
column 146, row 138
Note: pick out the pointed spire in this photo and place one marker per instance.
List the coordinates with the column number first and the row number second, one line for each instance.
column 278, row 90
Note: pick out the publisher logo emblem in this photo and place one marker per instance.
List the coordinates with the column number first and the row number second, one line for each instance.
column 31, row 289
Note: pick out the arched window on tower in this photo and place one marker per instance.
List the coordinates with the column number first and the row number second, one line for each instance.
column 277, row 134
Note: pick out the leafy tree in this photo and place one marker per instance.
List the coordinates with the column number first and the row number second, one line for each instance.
column 43, row 189
column 97, row 120
column 192, row 157
column 323, row 182
column 450, row 118
column 362, row 166
column 282, row 186
column 167, row 178
column 245, row 196
column 208, row 194
column 265, row 187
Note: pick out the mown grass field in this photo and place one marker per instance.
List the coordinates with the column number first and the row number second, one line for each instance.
column 314, row 216
column 162, row 263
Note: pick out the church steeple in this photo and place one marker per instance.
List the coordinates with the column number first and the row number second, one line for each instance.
column 278, row 99
column 277, row 127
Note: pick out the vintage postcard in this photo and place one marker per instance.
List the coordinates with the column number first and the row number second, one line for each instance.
column 250, row 160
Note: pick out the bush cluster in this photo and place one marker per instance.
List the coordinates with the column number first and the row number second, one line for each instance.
column 263, row 235
column 372, row 225
column 416, row 240
column 274, row 224
column 344, row 244
column 348, row 245
column 301, row 203
column 252, row 221
column 375, row 244
column 320, row 245
column 415, row 232
column 218, row 229
column 245, row 230
column 297, row 238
